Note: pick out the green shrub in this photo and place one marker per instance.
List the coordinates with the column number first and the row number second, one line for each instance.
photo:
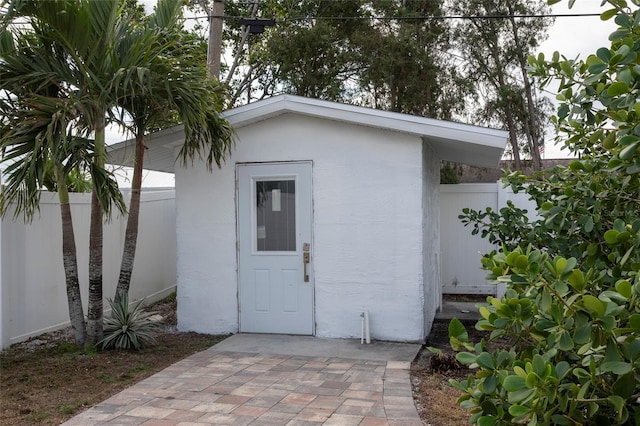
column 573, row 353
column 128, row 328
column 571, row 314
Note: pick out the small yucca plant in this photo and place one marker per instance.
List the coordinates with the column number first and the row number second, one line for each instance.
column 128, row 328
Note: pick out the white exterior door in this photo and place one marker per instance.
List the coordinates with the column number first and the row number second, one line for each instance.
column 275, row 252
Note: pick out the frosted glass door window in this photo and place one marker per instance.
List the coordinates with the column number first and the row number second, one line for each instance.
column 276, row 215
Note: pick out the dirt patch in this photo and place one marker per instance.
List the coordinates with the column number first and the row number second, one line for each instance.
column 435, row 398
column 47, row 380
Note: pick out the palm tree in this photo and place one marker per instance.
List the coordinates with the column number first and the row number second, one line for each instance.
column 105, row 60
column 33, row 138
column 85, row 32
column 77, row 37
column 174, row 88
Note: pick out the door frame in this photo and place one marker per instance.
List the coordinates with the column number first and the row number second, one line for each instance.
column 298, row 249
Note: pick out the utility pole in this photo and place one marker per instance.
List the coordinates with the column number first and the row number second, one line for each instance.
column 214, row 52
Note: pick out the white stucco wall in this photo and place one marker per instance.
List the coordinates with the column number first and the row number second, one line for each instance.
column 431, row 234
column 368, row 228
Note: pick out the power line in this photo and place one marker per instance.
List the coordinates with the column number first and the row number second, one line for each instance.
column 412, row 18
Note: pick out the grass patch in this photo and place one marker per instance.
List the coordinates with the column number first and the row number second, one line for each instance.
column 53, row 380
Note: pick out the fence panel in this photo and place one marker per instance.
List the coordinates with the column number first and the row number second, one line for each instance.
column 32, row 286
column 460, row 251
column 32, row 283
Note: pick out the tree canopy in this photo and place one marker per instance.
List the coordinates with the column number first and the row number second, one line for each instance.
column 401, row 55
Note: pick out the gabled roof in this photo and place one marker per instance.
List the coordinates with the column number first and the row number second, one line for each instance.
column 462, row 143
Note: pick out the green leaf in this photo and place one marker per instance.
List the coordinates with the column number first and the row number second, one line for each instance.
column 627, row 152
column 538, row 365
column 559, row 419
column 610, row 141
column 594, row 305
column 617, row 402
column 466, row 358
column 546, row 206
column 521, row 262
column 562, row 369
column 457, row 330
column 521, row 395
column 611, row 236
column 625, row 385
column 608, row 14
column 490, row 384
column 486, row 361
column 634, row 321
column 617, row 35
column 588, row 226
column 563, row 265
column 624, row 288
column 632, row 350
column 489, row 408
column 519, row 410
column 484, row 312
column 531, row 380
column 618, row 88
column 598, row 68
column 565, row 342
column 514, row 383
column 616, row 367
column 582, row 334
column 576, row 279
column 604, row 54
column 625, row 76
column 486, row 421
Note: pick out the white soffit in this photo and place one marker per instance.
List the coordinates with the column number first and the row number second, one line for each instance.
column 457, row 142
column 161, row 152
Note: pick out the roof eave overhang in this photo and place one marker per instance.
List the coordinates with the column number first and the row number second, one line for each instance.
column 456, row 142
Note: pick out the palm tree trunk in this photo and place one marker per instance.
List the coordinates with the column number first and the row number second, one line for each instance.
column 69, row 259
column 131, row 233
column 94, row 311
column 95, row 308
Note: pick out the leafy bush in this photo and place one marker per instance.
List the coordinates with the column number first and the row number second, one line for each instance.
column 128, row 328
column 574, row 356
column 571, row 313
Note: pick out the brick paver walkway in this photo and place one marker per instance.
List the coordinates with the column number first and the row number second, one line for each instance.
column 234, row 388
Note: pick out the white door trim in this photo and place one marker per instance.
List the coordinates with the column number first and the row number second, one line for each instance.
column 284, row 321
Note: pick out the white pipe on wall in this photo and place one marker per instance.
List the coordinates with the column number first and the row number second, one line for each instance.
column 365, row 334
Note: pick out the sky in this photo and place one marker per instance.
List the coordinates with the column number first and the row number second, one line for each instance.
column 575, row 37
column 571, row 36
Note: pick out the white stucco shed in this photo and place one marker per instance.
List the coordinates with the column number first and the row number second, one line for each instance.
column 322, row 211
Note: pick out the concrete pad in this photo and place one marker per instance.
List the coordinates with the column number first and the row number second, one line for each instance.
column 279, row 344
column 461, row 310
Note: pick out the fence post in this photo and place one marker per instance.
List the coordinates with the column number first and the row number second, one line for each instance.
column 501, row 288
column 4, row 325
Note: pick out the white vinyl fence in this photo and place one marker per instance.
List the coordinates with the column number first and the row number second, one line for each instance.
column 459, row 250
column 32, row 284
